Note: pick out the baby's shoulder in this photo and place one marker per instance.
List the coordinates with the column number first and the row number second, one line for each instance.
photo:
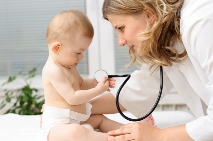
column 51, row 69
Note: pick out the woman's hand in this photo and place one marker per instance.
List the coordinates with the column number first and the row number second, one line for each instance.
column 111, row 82
column 135, row 131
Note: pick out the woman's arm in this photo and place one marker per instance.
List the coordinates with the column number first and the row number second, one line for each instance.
column 104, row 104
column 197, row 32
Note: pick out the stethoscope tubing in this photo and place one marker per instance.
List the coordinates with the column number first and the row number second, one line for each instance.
column 120, row 88
column 124, row 75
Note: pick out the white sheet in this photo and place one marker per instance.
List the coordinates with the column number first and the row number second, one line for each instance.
column 24, row 128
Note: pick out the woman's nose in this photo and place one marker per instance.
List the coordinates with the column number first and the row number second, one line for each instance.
column 121, row 41
column 80, row 56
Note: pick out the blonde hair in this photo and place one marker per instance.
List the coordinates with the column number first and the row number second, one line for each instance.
column 157, row 43
column 67, row 24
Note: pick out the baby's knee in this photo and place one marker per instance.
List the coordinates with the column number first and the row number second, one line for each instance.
column 68, row 132
column 76, row 131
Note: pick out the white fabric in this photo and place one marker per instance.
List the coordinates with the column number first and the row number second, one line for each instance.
column 88, row 126
column 25, row 128
column 19, row 128
column 197, row 34
column 193, row 79
column 53, row 116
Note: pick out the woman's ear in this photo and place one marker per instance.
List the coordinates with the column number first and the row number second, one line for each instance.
column 150, row 15
column 56, row 47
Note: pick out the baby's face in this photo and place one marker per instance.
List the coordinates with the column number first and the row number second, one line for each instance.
column 71, row 52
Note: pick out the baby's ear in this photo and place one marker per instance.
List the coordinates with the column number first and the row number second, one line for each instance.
column 56, row 47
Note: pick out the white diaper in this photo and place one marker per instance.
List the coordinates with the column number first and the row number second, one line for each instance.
column 52, row 116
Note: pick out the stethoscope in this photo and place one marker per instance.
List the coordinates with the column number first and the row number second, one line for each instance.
column 101, row 73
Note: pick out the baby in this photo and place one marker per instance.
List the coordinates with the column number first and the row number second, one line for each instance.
column 67, row 113
column 66, row 93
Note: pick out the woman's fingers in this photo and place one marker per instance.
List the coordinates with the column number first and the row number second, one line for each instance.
column 111, row 82
column 128, row 132
column 125, row 129
column 126, row 137
column 122, row 134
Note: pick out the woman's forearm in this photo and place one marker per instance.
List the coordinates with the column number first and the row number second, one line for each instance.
column 177, row 133
column 104, row 104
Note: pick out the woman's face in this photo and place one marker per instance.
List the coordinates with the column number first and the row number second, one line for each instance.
column 127, row 28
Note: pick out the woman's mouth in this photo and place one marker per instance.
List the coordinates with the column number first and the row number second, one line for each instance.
column 132, row 47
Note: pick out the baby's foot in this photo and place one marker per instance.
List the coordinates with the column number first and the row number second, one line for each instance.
column 149, row 120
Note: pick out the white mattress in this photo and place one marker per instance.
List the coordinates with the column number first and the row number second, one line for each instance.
column 24, row 128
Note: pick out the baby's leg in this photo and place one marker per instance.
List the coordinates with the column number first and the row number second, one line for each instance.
column 103, row 123
column 74, row 132
column 149, row 120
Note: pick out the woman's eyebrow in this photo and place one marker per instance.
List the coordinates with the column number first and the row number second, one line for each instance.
column 81, row 49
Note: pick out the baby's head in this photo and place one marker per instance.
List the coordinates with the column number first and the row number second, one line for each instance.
column 67, row 24
column 68, row 35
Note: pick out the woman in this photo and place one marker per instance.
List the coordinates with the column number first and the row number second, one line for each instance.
column 175, row 34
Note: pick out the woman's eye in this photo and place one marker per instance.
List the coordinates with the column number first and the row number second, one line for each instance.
column 77, row 53
column 121, row 29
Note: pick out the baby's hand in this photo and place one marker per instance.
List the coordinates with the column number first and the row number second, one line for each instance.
column 103, row 85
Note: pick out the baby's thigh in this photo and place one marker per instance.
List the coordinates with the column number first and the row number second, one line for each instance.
column 96, row 120
column 63, row 132
column 73, row 132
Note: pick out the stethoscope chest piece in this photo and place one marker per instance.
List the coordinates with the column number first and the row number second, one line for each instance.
column 99, row 74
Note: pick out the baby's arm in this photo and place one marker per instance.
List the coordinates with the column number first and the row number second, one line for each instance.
column 87, row 83
column 63, row 86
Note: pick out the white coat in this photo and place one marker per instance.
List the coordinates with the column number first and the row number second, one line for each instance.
column 193, row 78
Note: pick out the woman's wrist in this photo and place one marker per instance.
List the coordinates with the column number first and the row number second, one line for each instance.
column 174, row 133
column 159, row 134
